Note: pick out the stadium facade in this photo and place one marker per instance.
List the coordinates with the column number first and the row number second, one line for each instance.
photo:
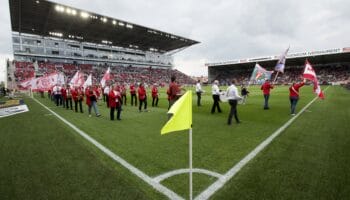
column 45, row 31
column 329, row 59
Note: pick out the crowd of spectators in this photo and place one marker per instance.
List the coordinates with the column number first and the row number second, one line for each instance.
column 326, row 74
column 122, row 74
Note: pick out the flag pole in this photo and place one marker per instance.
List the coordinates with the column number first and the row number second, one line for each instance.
column 190, row 161
column 274, row 81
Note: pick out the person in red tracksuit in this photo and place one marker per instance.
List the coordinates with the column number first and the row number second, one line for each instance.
column 78, row 97
column 69, row 98
column 294, row 95
column 123, row 93
column 115, row 100
column 155, row 95
column 142, row 97
column 64, row 96
column 133, row 94
column 266, row 91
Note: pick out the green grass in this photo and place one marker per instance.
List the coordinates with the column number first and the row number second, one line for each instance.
column 45, row 159
column 310, row 160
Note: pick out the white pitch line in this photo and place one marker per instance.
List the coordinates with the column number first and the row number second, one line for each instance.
column 164, row 190
column 235, row 169
column 166, row 175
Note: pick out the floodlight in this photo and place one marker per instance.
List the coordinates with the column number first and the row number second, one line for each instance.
column 69, row 11
column 129, row 26
column 84, row 15
column 121, row 24
column 104, row 19
column 114, row 22
column 58, row 8
column 74, row 12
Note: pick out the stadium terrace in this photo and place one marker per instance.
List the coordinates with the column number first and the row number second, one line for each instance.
column 333, row 64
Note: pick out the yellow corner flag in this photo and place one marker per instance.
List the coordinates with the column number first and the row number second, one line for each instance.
column 181, row 115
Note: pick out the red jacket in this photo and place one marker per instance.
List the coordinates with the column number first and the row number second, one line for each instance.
column 114, row 98
column 97, row 92
column 132, row 89
column 154, row 91
column 64, row 93
column 294, row 89
column 75, row 95
column 123, row 90
column 173, row 91
column 266, row 88
column 142, row 93
column 87, row 94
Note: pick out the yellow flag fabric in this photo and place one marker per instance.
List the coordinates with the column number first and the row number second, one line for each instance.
column 181, row 115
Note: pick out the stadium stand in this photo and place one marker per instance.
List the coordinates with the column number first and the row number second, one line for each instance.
column 70, row 41
column 326, row 74
column 331, row 66
column 130, row 74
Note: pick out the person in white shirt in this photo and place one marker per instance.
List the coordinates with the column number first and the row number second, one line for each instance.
column 233, row 97
column 199, row 92
column 105, row 95
column 216, row 97
column 57, row 93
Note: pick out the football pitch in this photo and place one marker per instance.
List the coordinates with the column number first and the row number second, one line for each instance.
column 54, row 153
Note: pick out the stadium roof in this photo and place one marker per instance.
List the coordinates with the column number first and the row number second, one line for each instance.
column 49, row 19
column 293, row 59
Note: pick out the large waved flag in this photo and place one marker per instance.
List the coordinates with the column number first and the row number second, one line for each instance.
column 281, row 62
column 106, row 77
column 29, row 83
column 310, row 74
column 88, row 81
column 77, row 80
column 259, row 74
column 181, row 112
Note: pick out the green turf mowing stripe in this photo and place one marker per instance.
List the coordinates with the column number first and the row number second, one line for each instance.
column 156, row 185
column 235, row 169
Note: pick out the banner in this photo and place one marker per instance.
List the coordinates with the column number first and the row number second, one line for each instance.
column 281, row 62
column 88, row 81
column 77, row 80
column 43, row 83
column 106, row 77
column 310, row 74
column 12, row 107
column 260, row 74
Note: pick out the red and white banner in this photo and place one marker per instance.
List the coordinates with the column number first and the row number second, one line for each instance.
column 44, row 83
column 88, row 81
column 77, row 80
column 310, row 74
column 106, row 77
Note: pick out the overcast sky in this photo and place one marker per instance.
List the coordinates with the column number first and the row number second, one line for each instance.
column 227, row 29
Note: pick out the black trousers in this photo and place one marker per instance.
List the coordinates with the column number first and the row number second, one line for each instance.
column 143, row 102
column 76, row 103
column 112, row 110
column 133, row 97
column 124, row 99
column 199, row 96
column 233, row 112
column 155, row 101
column 216, row 99
column 107, row 99
column 58, row 99
column 69, row 100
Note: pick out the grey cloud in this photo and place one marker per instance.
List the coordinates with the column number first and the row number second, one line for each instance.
column 229, row 29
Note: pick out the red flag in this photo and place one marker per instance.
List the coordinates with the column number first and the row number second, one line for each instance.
column 106, row 77
column 310, row 74
column 77, row 80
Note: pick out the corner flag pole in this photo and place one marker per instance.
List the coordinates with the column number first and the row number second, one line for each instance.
column 190, row 160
